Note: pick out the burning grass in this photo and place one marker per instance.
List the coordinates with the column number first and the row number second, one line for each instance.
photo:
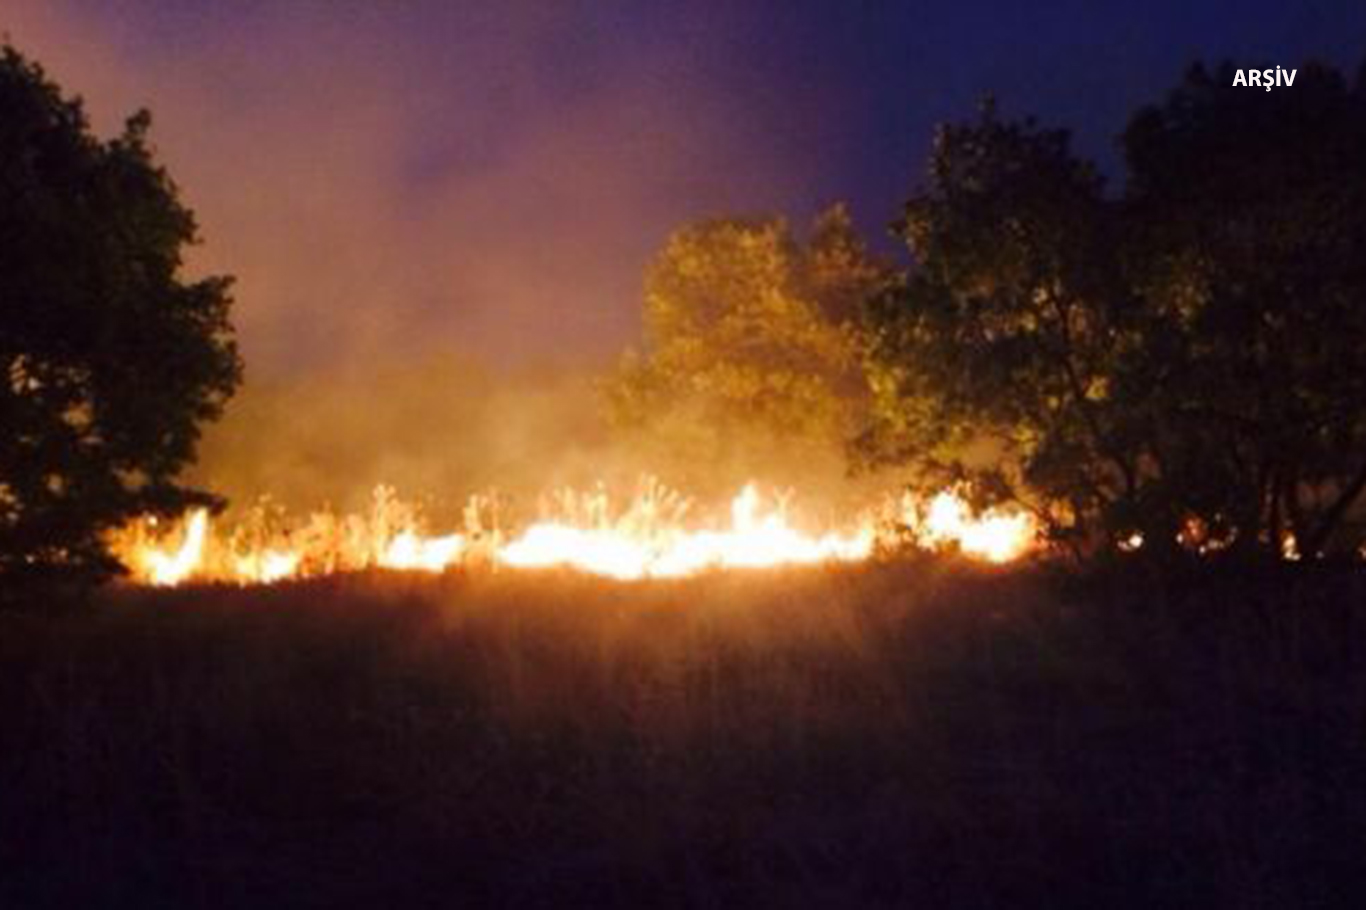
column 924, row 732
column 653, row 535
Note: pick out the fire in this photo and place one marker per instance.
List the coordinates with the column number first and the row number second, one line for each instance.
column 173, row 567
column 409, row 551
column 994, row 536
column 267, row 566
column 753, row 540
column 652, row 537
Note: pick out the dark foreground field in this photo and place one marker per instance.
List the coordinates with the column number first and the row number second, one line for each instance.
column 911, row 735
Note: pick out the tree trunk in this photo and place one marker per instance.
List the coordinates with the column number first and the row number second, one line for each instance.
column 1336, row 512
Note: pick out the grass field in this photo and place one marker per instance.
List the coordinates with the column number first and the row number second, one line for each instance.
column 915, row 734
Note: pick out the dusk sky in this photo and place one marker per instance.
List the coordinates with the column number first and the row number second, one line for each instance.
column 392, row 178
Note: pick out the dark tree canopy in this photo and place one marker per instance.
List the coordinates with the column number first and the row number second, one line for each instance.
column 1248, row 241
column 111, row 357
column 1180, row 361
column 991, row 362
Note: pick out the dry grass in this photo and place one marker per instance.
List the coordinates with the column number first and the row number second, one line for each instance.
column 912, row 734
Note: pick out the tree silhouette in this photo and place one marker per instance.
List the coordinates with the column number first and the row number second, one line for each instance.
column 1248, row 240
column 1176, row 362
column 111, row 358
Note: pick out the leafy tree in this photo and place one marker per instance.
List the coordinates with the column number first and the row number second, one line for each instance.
column 1248, row 243
column 1173, row 361
column 753, row 347
column 995, row 359
column 111, row 358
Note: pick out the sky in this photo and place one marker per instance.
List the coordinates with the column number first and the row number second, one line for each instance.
column 392, row 179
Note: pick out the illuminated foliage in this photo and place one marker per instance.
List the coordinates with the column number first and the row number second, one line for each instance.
column 752, row 342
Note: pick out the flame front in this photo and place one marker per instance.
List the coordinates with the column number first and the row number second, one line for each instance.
column 172, row 567
column 430, row 554
column 753, row 540
column 650, row 538
column 994, row 536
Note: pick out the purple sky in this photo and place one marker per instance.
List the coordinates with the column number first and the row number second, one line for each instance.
column 391, row 177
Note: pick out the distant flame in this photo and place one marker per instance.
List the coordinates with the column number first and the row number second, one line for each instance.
column 171, row 568
column 994, row 536
column 649, row 539
column 754, row 540
column 409, row 551
column 266, row 566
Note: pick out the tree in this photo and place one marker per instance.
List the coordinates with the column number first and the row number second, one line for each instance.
column 1248, row 241
column 1172, row 362
column 995, row 360
column 111, row 357
column 752, row 356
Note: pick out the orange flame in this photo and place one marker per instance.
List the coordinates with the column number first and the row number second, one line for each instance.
column 651, row 538
column 994, row 536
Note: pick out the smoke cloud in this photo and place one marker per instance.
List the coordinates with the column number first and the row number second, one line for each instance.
column 387, row 180
column 438, row 217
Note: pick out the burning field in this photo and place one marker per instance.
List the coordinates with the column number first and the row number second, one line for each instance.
column 491, row 483
column 651, row 536
column 647, row 702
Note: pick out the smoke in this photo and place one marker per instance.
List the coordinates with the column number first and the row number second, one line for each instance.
column 420, row 203
column 387, row 179
column 438, row 430
column 445, row 428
